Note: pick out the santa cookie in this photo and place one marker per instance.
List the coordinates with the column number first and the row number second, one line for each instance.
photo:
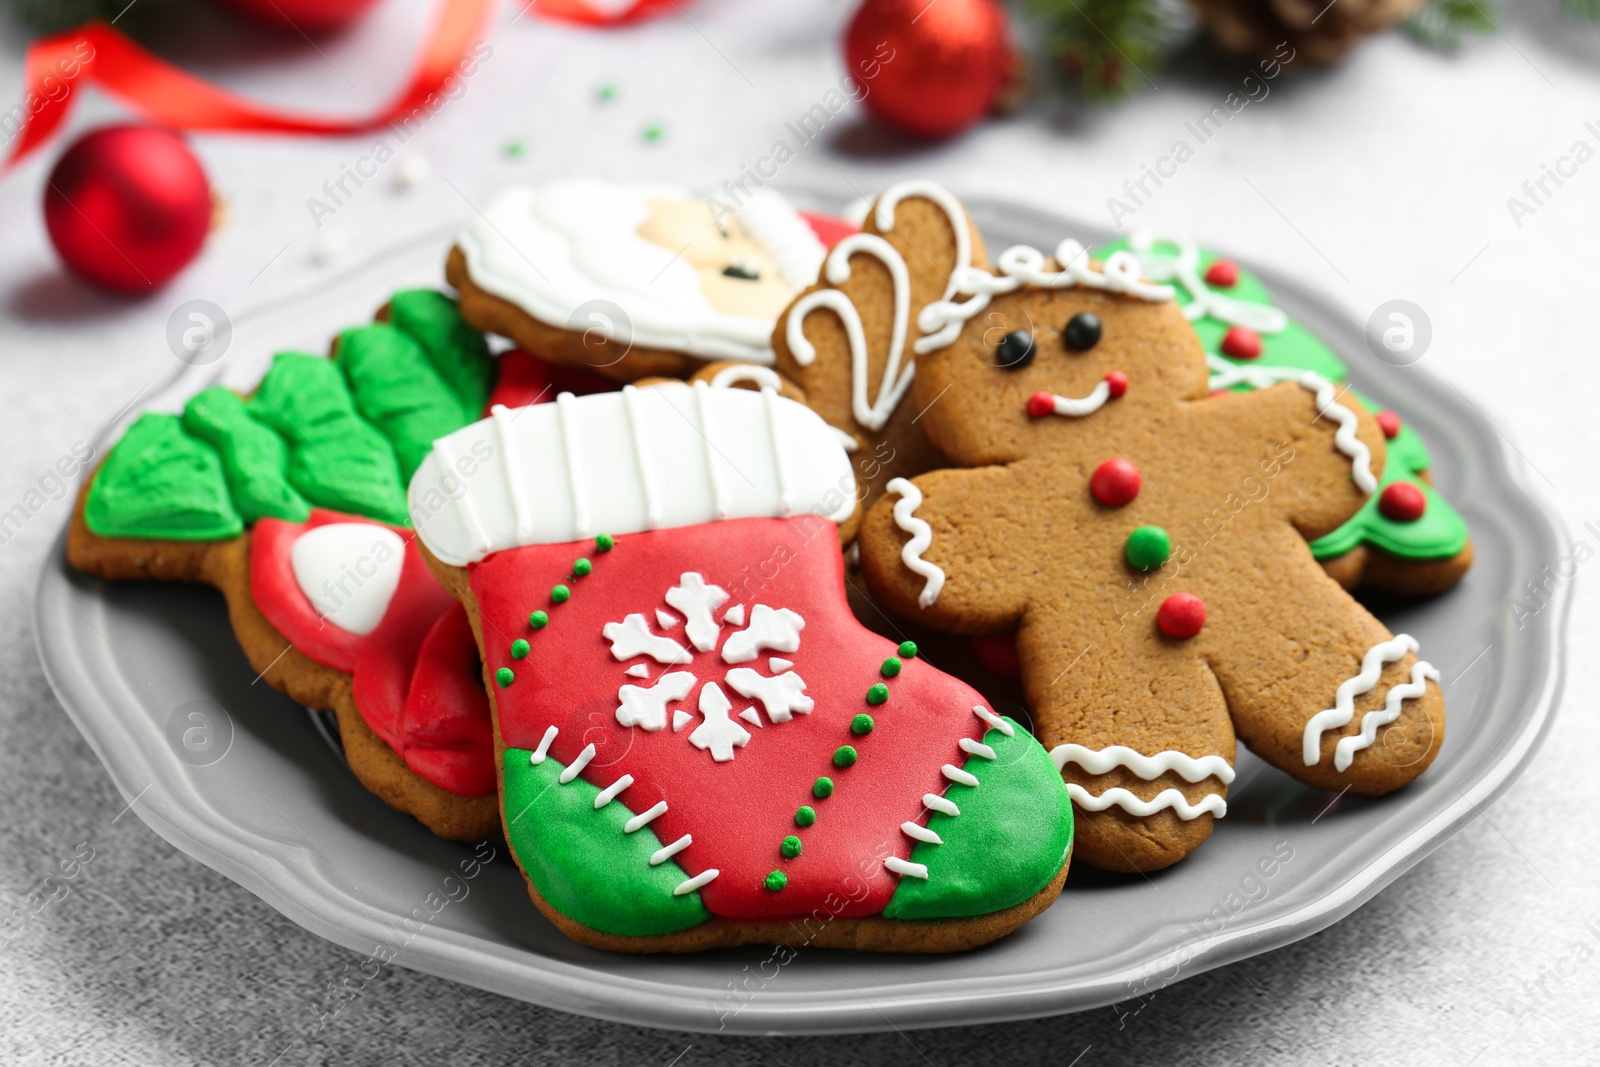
column 629, row 281
column 1407, row 538
column 291, row 503
column 698, row 745
column 1148, row 544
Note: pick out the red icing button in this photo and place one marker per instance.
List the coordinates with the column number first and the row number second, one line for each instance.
column 1241, row 342
column 1402, row 502
column 1181, row 615
column 1115, row 482
column 1118, row 382
column 1041, row 404
column 1224, row 274
column 1389, row 423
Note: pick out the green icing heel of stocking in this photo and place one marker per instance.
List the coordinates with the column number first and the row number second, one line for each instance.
column 459, row 354
column 1013, row 833
column 582, row 861
column 336, row 459
column 255, row 460
column 159, row 482
column 397, row 390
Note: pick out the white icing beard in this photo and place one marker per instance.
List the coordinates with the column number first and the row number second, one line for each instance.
column 569, row 254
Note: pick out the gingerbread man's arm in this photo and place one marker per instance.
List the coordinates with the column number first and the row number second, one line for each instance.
column 1321, row 453
column 935, row 549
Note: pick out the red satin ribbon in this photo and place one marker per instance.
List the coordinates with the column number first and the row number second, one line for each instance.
column 58, row 67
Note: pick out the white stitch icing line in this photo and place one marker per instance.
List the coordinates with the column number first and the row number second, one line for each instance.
column 576, row 767
column 1345, row 751
column 516, row 487
column 959, row 776
column 569, row 446
column 719, row 491
column 994, row 721
column 921, row 538
column 696, row 882
column 1204, row 301
column 1212, row 803
column 641, row 454
column 1225, row 375
column 1149, row 768
column 645, row 818
column 537, row 756
column 935, row 802
column 976, row 748
column 1343, row 710
column 609, row 793
column 905, row 868
column 666, row 852
column 920, row 833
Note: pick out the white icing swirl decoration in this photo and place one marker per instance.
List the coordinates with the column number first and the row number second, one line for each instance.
column 921, row 538
column 1203, row 300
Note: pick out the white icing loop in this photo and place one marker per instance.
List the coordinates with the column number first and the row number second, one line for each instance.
column 730, row 376
column 921, row 538
column 1211, row 804
column 1107, row 759
column 1343, row 710
column 1203, row 300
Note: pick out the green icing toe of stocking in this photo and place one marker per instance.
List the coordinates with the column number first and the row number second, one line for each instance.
column 583, row 862
column 1014, row 831
column 459, row 353
column 336, row 459
column 397, row 390
column 159, row 482
column 255, row 460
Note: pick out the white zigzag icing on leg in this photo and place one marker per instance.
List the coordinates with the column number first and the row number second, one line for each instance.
column 1212, row 803
column 1107, row 759
column 1344, row 753
column 1344, row 709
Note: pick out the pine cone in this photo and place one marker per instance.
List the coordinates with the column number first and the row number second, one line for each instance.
column 1319, row 31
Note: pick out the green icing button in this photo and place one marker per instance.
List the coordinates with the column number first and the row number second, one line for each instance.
column 581, row 860
column 843, row 756
column 159, row 482
column 776, row 881
column 790, row 847
column 255, row 461
column 822, row 789
column 805, row 816
column 877, row 694
column 862, row 724
column 336, row 459
column 1148, row 547
column 990, row 859
column 459, row 354
column 397, row 390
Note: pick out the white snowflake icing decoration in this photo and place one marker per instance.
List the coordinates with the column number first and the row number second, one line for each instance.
column 781, row 694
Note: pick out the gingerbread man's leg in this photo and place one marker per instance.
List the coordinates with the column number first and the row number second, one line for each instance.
column 1322, row 690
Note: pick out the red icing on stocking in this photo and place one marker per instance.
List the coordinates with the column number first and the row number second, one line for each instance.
column 697, row 639
column 521, row 378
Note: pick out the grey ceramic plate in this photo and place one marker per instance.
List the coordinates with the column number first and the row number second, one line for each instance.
column 280, row 815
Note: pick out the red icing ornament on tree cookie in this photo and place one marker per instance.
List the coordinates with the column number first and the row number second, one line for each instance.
column 1402, row 502
column 1389, row 423
column 1241, row 342
column 1224, row 274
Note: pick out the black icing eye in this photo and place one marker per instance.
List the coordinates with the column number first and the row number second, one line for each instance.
column 742, row 270
column 1015, row 350
column 1083, row 331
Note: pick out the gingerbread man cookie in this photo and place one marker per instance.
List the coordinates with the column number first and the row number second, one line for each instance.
column 1148, row 544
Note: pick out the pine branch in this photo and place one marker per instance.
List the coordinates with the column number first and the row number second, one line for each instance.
column 1588, row 10
column 1442, row 24
column 1114, row 46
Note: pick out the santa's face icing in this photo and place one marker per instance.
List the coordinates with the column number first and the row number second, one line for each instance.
column 647, row 266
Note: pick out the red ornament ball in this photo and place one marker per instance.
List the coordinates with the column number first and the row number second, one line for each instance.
column 1389, row 423
column 1117, row 382
column 1241, row 342
column 300, row 17
column 1402, row 502
column 1115, row 482
column 999, row 654
column 1181, row 615
column 930, row 70
column 1041, row 404
column 128, row 207
column 1223, row 274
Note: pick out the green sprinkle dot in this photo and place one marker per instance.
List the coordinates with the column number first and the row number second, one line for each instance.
column 908, row 649
column 516, row 148
column 653, row 132
column 891, row 666
column 581, row 567
column 1148, row 547
column 560, row 594
column 505, row 676
column 861, row 724
column 805, row 816
column 604, row 543
column 790, row 847
column 519, row 648
column 823, row 789
column 877, row 694
column 844, row 756
column 606, row 93
column 776, row 881
column 538, row 620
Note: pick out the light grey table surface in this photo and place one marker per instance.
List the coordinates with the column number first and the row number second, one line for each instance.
column 1387, row 178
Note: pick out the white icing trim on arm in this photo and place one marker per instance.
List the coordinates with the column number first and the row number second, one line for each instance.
column 1343, row 710
column 635, row 460
column 1102, row 761
column 921, row 538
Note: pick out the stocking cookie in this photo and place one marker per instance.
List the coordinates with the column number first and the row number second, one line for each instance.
column 630, row 281
column 698, row 745
column 1148, row 544
column 1407, row 538
column 291, row 503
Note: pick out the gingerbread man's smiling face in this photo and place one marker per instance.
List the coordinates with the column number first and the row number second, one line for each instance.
column 1038, row 362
